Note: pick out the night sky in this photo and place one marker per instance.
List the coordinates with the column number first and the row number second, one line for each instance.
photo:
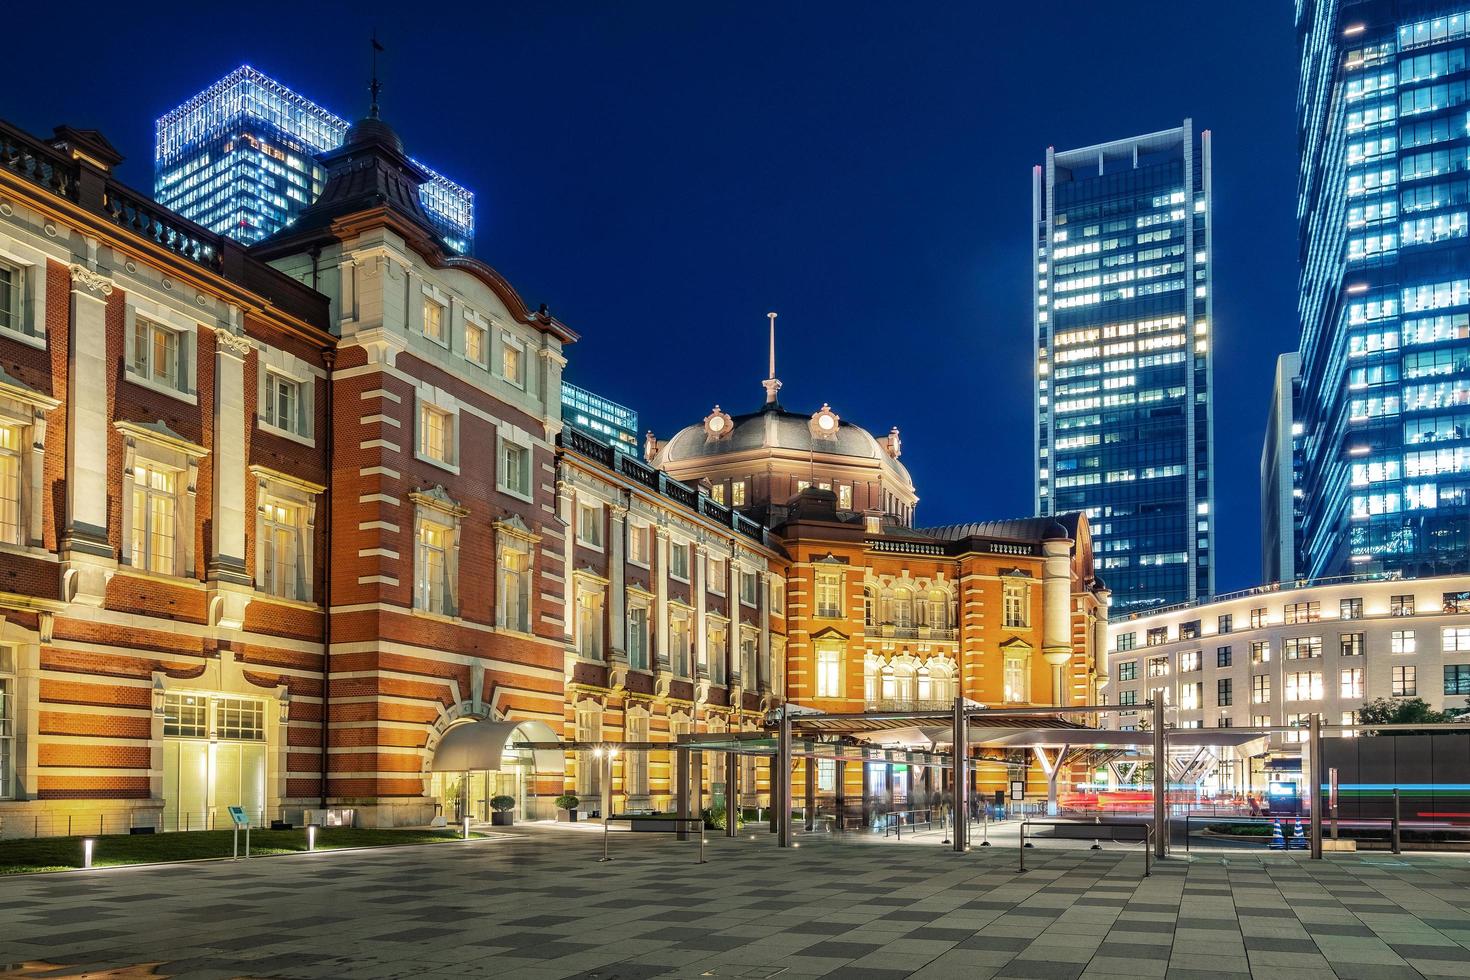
column 663, row 174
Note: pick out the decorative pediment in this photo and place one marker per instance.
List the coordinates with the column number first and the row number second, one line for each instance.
column 1015, row 573
column 830, row 559
column 437, row 498
column 513, row 525
column 275, row 478
column 160, row 434
column 1015, row 645
column 14, row 388
column 829, row 633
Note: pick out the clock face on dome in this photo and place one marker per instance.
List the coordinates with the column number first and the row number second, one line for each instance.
column 824, row 421
column 717, row 424
column 827, row 423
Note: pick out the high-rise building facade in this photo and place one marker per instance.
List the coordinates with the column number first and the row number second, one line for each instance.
column 1122, row 314
column 1281, row 471
column 1385, row 286
column 601, row 418
column 239, row 158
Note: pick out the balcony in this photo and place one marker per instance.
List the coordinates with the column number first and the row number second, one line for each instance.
column 911, row 632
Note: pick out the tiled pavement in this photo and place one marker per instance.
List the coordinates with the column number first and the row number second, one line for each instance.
column 538, row 905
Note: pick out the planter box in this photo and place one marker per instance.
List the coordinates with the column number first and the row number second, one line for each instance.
column 566, row 816
column 506, row 819
column 1341, row 844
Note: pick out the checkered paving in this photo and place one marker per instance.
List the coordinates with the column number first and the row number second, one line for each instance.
column 538, row 905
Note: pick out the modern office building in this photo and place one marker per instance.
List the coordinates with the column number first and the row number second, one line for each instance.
column 1281, row 469
column 1385, row 286
column 1277, row 655
column 239, row 158
column 602, row 419
column 1122, row 313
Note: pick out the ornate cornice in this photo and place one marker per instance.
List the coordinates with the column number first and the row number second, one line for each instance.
column 232, row 343
column 91, row 280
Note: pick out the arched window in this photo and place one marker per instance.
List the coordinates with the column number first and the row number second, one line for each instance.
column 938, row 609
column 906, row 682
column 903, row 608
column 887, row 684
column 870, row 679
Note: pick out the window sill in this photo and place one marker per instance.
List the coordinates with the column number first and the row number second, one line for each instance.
column 583, row 543
column 439, row 463
column 31, row 340
column 511, row 492
column 436, row 616
column 514, row 631
column 178, row 580
column 639, row 564
column 305, row 605
column 28, row 551
column 276, row 430
column 188, row 397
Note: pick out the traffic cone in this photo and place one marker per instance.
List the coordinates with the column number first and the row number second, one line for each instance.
column 1298, row 839
column 1277, row 842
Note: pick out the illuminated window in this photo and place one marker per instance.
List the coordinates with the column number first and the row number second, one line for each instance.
column 829, row 671
column 10, row 484
column 829, row 596
column 1014, row 606
column 1402, row 641
column 1350, row 682
column 434, row 326
column 431, row 578
column 155, row 502
column 513, row 584
column 281, row 529
column 1016, row 677
column 737, row 493
column 436, row 434
column 474, row 342
column 154, row 354
column 1405, row 682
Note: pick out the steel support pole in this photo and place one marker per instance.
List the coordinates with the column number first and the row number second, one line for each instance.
column 681, row 791
column 774, row 777
column 841, row 802
column 960, row 732
column 1314, row 773
column 783, row 753
column 732, row 793
column 1161, row 782
column 809, row 818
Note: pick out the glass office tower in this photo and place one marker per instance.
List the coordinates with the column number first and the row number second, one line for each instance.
column 1281, row 476
column 604, row 420
column 1383, row 197
column 1121, row 236
column 239, row 158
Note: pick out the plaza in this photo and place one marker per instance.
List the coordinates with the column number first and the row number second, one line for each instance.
column 534, row 902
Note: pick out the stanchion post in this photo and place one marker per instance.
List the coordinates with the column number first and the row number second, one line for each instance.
column 1316, row 772
column 783, row 753
column 960, row 735
column 732, row 795
column 1161, row 782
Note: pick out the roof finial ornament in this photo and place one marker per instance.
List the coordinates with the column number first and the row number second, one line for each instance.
column 771, row 384
column 376, row 86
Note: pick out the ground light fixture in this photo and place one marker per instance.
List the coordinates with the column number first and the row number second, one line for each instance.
column 606, row 754
column 87, row 843
column 311, row 837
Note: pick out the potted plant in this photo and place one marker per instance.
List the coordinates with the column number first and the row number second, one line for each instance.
column 566, row 808
column 502, row 805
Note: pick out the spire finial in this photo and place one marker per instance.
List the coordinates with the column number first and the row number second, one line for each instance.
column 376, row 86
column 771, row 384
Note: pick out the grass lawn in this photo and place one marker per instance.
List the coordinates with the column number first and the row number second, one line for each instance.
column 62, row 853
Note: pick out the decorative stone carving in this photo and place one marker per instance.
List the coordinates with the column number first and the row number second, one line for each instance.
column 90, row 280
column 231, row 343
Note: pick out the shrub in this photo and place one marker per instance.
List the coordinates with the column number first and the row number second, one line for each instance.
column 500, row 804
column 567, row 802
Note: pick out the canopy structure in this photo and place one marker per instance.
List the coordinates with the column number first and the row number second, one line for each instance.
column 484, row 746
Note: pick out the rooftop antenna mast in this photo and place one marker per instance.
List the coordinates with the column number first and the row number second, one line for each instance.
column 771, row 384
column 376, row 86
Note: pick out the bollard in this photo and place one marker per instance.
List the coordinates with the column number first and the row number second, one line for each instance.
column 311, row 837
column 985, row 826
column 466, row 828
column 701, row 840
column 1395, row 828
column 1097, row 845
column 87, row 852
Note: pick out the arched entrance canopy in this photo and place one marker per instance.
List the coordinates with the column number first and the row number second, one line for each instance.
column 482, row 746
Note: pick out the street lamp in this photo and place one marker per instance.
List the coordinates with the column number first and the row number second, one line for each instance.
column 606, row 754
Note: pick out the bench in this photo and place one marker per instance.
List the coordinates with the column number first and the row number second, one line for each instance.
column 646, row 823
column 1109, row 830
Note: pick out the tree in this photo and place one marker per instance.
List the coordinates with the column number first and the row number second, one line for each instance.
column 1400, row 711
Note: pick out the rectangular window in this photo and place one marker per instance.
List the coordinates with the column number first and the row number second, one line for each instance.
column 1401, row 605
column 1128, row 670
column 10, row 485
column 1351, row 644
column 829, row 596
column 635, row 763
column 1455, row 639
column 1258, row 618
column 638, row 636
column 1225, row 623
column 638, row 544
column 1158, row 667
column 155, row 355
column 281, row 547
column 1457, row 602
column 1302, row 612
column 748, row 647
column 1222, row 657
column 513, row 362
column 1127, row 698
column 1350, row 682
column 431, row 572
column 436, row 433
column 1016, row 685
column 1191, row 696
column 1224, row 692
column 714, row 574
column 829, row 673
column 1457, row 679
column 679, row 561
column 1303, row 685
column 1157, row 635
column 12, row 302
column 1015, row 606
column 679, row 645
column 737, row 493
column 1402, row 641
column 1405, row 681
column 513, row 585
column 1350, row 609
column 434, row 325
column 515, row 469
column 589, row 623
column 717, row 493
column 185, row 715
column 1299, row 721
column 1189, row 630
column 1127, row 641
column 589, row 525
column 7, row 723
column 844, row 496
column 1261, row 689
column 717, row 653
column 1190, row 661
column 1302, row 647
column 240, row 719
column 474, row 342
column 747, row 587
column 284, row 403
column 155, row 497
column 778, row 597
column 1260, row 652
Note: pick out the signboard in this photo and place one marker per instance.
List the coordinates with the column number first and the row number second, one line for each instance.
column 1018, row 789
column 238, row 817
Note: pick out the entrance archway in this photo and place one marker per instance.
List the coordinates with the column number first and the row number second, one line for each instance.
column 476, row 760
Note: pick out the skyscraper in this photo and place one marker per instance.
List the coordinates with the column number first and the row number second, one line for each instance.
column 239, row 158
column 1122, row 314
column 1281, row 468
column 1385, row 286
column 601, row 418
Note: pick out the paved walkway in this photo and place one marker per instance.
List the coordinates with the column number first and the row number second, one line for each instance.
column 538, row 905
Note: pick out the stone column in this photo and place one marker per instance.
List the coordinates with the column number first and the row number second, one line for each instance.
column 228, row 581
column 698, row 572
column 736, row 668
column 566, row 500
column 661, row 596
column 1100, row 633
column 85, row 550
column 763, row 679
column 617, row 568
column 1056, row 599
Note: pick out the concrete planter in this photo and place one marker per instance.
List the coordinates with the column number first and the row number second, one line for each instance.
column 566, row 816
column 505, row 819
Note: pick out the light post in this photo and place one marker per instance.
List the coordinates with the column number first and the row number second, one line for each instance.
column 606, row 754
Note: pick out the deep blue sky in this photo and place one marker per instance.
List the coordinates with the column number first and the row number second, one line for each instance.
column 662, row 174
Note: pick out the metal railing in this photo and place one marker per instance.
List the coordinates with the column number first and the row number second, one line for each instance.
column 893, row 821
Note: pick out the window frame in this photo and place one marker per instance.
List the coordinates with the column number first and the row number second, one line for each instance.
column 505, row 443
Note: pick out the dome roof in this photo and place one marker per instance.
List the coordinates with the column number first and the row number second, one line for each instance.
column 777, row 429
column 372, row 130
